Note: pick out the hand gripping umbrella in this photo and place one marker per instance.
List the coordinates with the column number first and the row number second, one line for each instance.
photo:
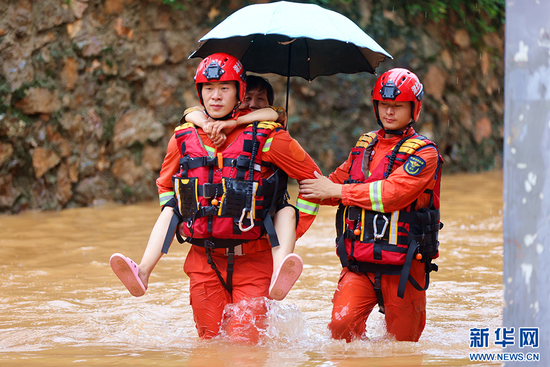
column 293, row 39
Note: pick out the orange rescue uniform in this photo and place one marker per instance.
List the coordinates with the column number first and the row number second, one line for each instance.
column 253, row 269
column 355, row 297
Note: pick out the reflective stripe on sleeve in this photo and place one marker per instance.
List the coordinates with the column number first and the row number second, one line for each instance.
column 267, row 145
column 375, row 191
column 307, row 207
column 165, row 197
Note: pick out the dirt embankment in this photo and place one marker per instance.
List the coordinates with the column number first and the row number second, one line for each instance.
column 90, row 92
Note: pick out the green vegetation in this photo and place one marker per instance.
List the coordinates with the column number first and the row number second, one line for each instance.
column 136, row 149
column 108, row 50
column 4, row 92
column 108, row 128
column 176, row 4
column 330, row 2
column 46, row 83
column 478, row 16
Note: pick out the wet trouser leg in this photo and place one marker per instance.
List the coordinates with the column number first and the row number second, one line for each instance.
column 353, row 302
column 251, row 279
column 405, row 317
column 355, row 298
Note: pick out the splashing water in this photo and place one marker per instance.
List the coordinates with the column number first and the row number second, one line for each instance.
column 264, row 322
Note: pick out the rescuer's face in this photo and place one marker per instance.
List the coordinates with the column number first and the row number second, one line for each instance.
column 395, row 115
column 219, row 98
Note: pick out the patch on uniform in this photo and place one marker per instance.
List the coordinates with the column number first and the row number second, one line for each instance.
column 414, row 165
column 297, row 151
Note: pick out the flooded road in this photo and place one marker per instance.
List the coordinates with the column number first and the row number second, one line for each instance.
column 60, row 303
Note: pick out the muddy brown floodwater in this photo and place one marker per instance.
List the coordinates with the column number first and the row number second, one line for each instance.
column 61, row 304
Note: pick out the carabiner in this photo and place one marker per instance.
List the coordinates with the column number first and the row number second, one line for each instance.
column 377, row 235
column 241, row 222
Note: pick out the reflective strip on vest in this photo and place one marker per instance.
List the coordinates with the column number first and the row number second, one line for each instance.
column 165, row 197
column 211, row 151
column 375, row 190
column 362, row 225
column 393, row 228
column 267, row 145
column 177, row 188
column 307, row 207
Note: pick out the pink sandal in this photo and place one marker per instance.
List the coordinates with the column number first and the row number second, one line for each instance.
column 127, row 271
column 286, row 275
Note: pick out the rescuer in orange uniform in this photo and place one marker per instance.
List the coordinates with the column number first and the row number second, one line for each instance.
column 388, row 218
column 222, row 200
column 259, row 97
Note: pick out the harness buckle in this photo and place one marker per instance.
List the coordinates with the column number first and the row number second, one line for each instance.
column 210, row 161
column 209, row 190
column 238, row 250
column 241, row 221
column 378, row 236
column 243, row 162
column 377, row 282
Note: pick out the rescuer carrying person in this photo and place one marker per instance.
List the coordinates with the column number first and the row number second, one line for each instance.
column 221, row 200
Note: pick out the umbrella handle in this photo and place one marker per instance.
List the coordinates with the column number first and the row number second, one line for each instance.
column 288, row 77
column 287, row 93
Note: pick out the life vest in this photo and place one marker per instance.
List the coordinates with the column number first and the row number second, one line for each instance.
column 386, row 243
column 222, row 200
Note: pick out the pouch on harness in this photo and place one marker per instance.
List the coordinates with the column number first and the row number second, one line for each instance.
column 385, row 245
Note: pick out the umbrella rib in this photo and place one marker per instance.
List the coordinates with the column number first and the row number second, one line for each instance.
column 248, row 48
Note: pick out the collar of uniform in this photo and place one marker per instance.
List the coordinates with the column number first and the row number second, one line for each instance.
column 382, row 135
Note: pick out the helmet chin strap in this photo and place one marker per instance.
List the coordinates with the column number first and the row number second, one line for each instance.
column 234, row 112
column 395, row 132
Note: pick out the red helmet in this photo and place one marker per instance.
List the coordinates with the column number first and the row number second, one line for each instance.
column 221, row 67
column 399, row 85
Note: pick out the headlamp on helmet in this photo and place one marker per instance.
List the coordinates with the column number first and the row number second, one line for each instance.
column 389, row 90
column 213, row 71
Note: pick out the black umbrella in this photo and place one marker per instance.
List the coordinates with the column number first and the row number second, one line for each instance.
column 293, row 39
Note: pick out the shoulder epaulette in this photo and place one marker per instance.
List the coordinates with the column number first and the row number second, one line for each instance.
column 412, row 145
column 365, row 139
column 183, row 126
column 270, row 125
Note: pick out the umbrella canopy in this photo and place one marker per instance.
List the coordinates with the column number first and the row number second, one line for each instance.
column 293, row 39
